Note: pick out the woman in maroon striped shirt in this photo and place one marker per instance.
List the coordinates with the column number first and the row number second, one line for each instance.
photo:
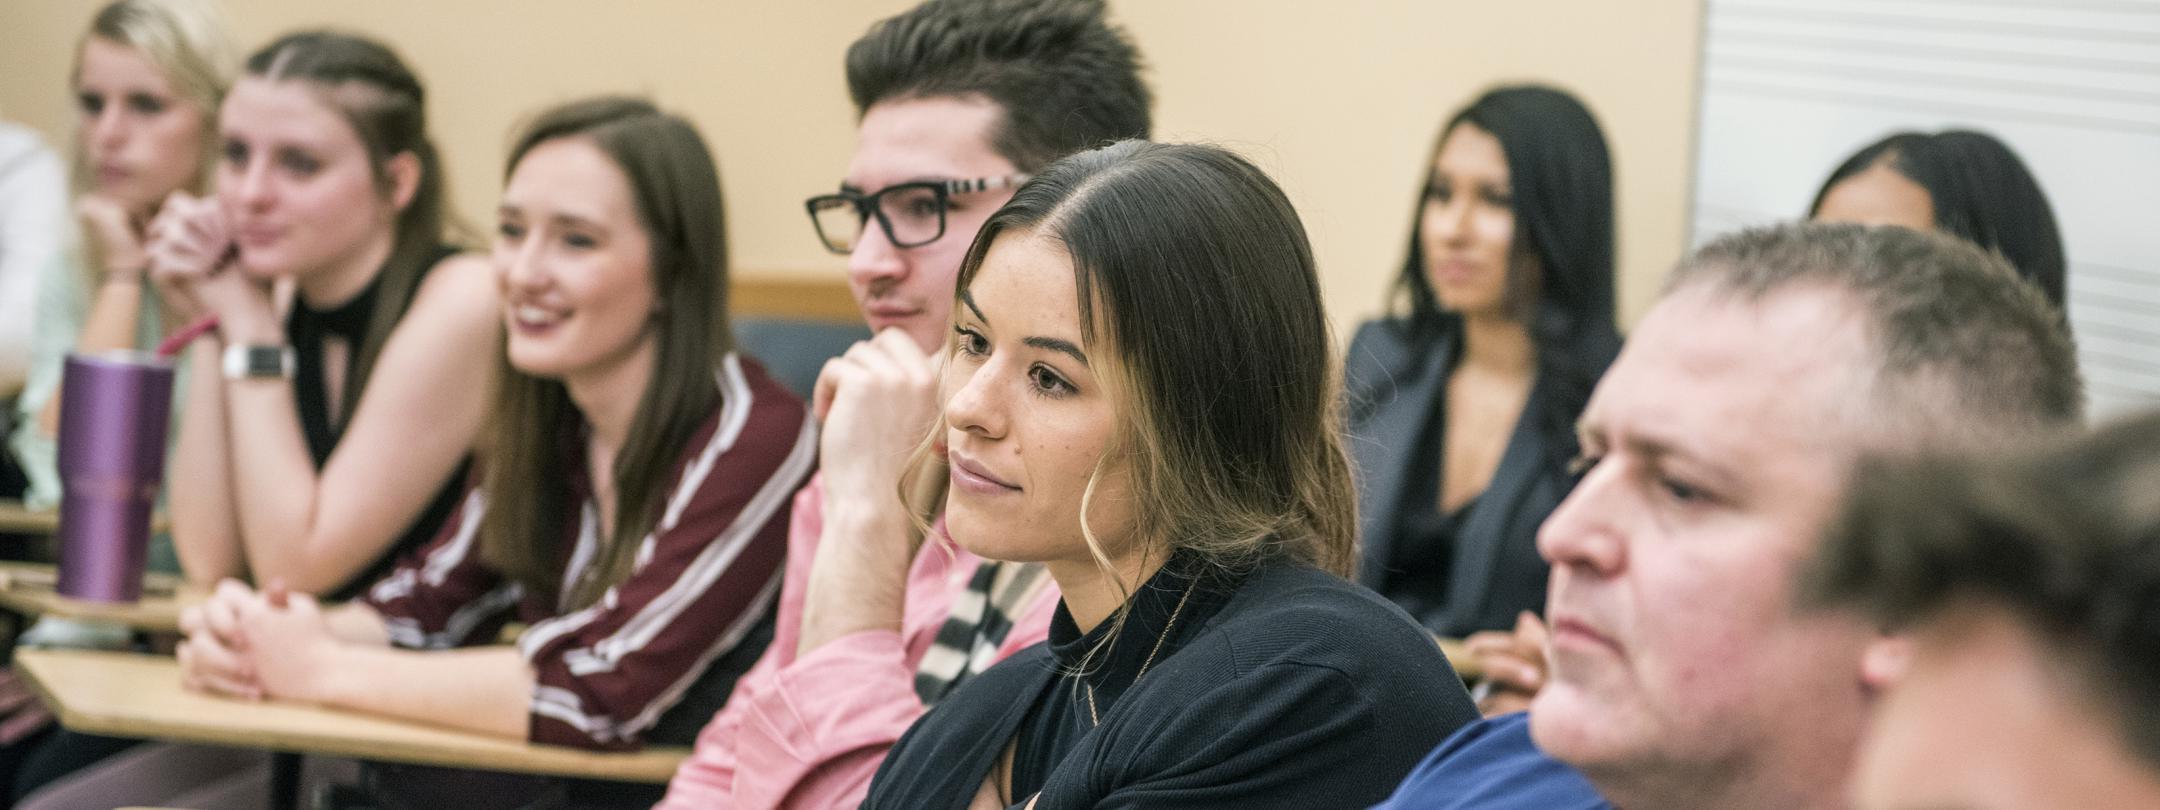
column 632, row 505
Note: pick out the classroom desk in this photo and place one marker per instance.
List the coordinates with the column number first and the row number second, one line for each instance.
column 1458, row 656
column 27, row 588
column 133, row 695
column 18, row 519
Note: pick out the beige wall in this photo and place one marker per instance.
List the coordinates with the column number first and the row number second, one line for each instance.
column 1339, row 100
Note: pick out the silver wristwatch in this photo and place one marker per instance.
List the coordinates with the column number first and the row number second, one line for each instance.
column 247, row 362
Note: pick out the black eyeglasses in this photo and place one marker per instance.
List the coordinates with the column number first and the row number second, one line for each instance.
column 912, row 214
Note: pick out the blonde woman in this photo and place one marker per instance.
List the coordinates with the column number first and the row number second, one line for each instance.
column 1139, row 394
column 148, row 78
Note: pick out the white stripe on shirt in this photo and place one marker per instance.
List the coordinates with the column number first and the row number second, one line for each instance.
column 712, row 562
column 546, row 632
column 405, row 631
column 720, row 646
column 442, row 559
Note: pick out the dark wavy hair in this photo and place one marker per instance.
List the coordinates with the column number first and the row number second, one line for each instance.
column 1561, row 176
column 1982, row 193
column 1065, row 77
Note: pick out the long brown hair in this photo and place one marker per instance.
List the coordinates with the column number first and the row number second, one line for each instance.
column 383, row 101
column 1194, row 273
column 677, row 191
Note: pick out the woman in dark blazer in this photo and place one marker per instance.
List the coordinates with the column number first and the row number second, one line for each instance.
column 1463, row 402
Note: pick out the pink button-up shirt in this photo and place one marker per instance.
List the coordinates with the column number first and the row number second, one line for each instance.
column 809, row 732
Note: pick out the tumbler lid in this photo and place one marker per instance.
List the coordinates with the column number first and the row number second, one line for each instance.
column 121, row 357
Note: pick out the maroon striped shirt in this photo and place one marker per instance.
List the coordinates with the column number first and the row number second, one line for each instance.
column 703, row 579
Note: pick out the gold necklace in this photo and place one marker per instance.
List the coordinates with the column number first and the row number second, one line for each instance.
column 1093, row 718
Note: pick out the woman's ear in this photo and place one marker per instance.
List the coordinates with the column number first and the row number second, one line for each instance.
column 404, row 170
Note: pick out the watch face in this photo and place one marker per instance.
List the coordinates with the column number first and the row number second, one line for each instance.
column 264, row 362
column 258, row 361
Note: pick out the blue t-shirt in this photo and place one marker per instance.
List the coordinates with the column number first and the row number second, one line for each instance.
column 1493, row 765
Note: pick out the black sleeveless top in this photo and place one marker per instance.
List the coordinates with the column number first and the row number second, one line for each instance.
column 306, row 328
column 1417, row 577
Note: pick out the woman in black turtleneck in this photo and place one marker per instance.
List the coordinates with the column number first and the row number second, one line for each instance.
column 1140, row 395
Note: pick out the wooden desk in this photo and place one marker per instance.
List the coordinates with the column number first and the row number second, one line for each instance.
column 27, row 588
column 15, row 518
column 131, row 695
column 1458, row 656
column 18, row 519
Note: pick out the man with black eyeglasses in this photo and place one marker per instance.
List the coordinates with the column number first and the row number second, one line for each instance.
column 958, row 102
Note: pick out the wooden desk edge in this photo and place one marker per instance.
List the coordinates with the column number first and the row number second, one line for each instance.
column 152, row 613
column 15, row 518
column 653, row 765
column 18, row 519
column 134, row 615
column 1458, row 656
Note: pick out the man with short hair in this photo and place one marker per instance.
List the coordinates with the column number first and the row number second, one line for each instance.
column 1716, row 449
column 959, row 101
column 2026, row 587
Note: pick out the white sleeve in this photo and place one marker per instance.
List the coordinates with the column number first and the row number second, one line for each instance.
column 34, row 229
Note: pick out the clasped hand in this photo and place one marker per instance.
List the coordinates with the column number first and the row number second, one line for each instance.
column 192, row 261
column 254, row 644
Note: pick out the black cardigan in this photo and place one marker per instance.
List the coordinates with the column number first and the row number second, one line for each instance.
column 1300, row 690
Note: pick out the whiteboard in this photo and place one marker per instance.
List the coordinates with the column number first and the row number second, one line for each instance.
column 1790, row 88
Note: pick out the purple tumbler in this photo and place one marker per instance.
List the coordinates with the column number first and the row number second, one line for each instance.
column 114, row 412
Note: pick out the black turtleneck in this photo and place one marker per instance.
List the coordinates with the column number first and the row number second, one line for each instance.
column 1108, row 665
column 1282, row 687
